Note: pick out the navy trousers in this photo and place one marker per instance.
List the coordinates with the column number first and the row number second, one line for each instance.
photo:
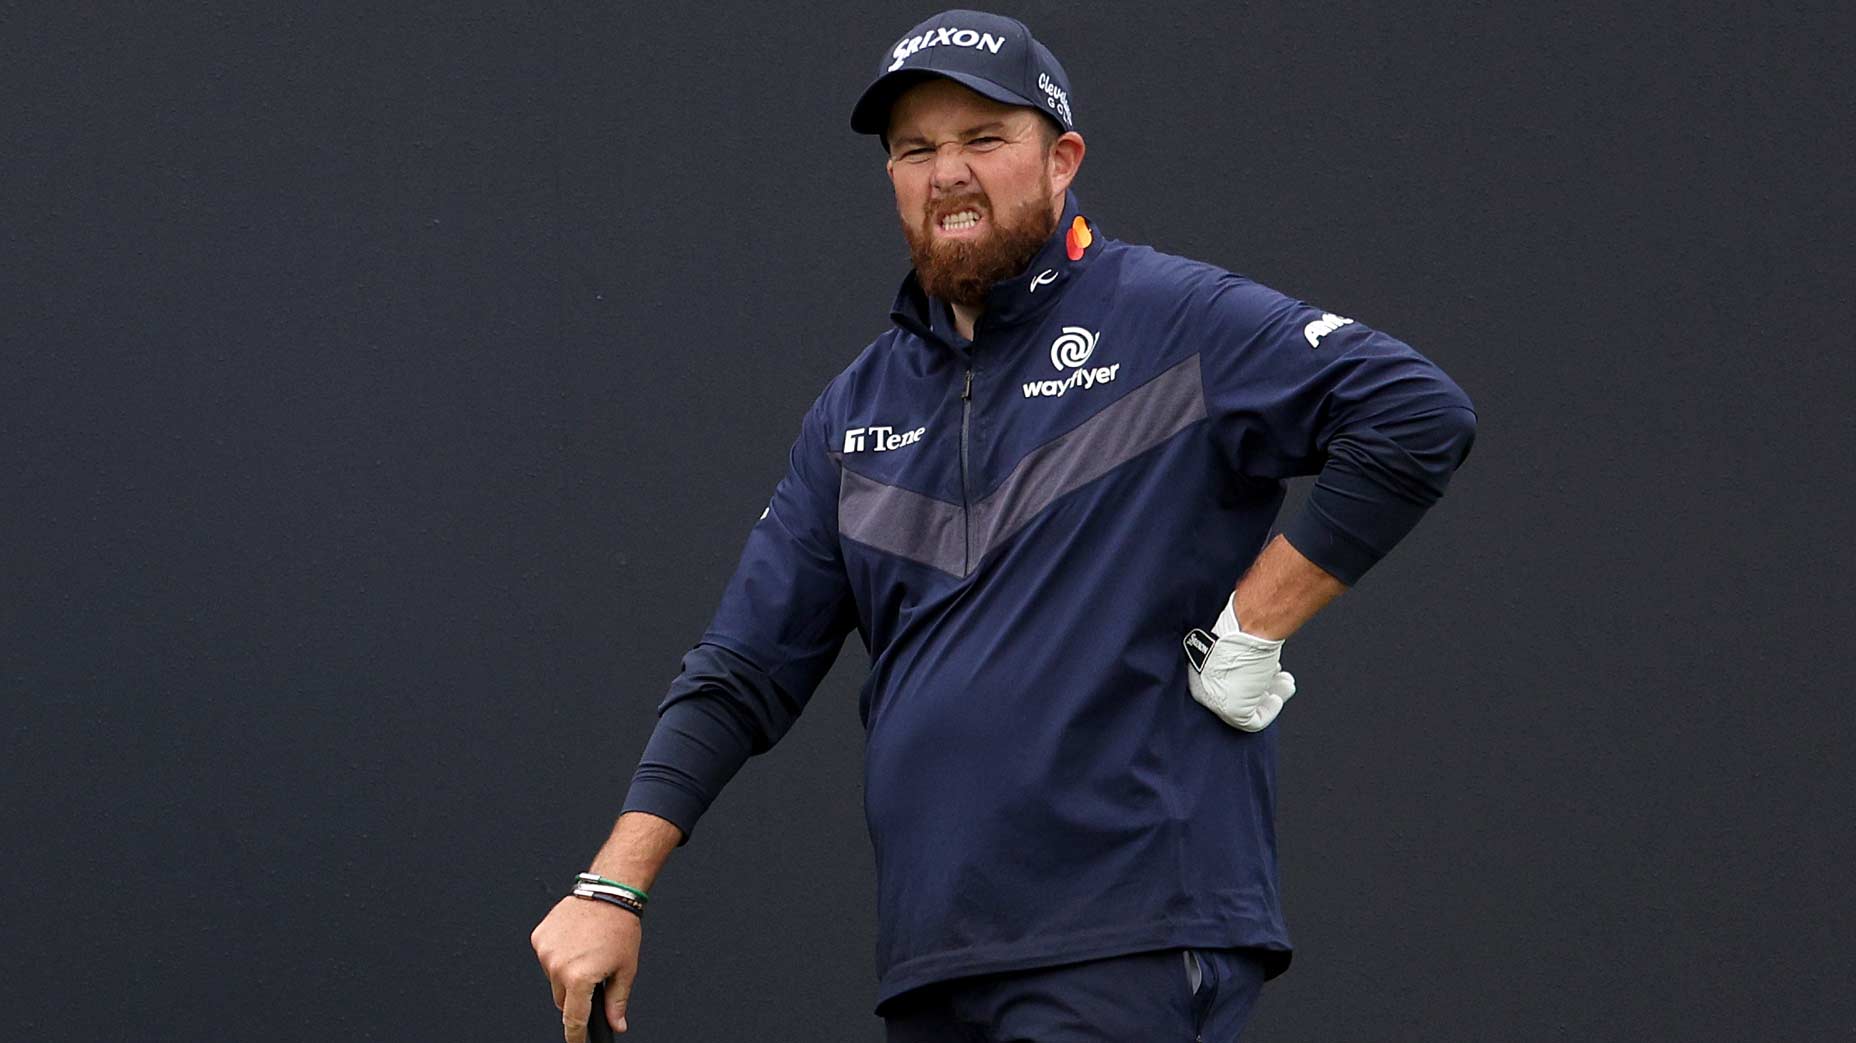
column 1170, row 996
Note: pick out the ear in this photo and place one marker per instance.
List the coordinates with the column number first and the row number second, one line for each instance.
column 1066, row 158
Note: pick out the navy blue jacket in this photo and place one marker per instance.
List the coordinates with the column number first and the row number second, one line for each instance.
column 1022, row 528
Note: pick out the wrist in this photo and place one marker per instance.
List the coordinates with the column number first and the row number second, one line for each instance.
column 1229, row 624
column 1281, row 591
column 624, row 873
column 639, row 846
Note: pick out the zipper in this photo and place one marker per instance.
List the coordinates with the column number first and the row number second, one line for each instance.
column 966, row 521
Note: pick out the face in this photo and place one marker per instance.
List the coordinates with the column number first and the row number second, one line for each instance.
column 979, row 186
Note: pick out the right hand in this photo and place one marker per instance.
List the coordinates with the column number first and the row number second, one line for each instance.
column 581, row 944
column 1235, row 675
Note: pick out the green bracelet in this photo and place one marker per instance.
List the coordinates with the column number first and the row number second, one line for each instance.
column 592, row 878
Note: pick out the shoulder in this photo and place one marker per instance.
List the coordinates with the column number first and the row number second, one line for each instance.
column 1144, row 268
column 1195, row 291
column 857, row 380
column 880, row 368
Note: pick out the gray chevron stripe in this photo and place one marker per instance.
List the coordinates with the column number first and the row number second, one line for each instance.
column 902, row 522
column 934, row 532
column 1138, row 421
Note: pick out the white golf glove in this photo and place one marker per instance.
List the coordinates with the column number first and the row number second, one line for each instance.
column 1235, row 675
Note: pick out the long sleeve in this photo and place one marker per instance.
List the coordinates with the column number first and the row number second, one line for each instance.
column 782, row 619
column 1292, row 390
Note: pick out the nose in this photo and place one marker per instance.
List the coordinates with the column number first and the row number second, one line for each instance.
column 951, row 173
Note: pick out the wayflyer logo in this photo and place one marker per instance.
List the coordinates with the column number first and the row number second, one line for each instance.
column 1073, row 347
column 1070, row 351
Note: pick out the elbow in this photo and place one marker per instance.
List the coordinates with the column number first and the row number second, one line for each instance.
column 1458, row 430
column 1445, row 430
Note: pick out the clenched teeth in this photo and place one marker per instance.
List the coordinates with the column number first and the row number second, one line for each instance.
column 962, row 220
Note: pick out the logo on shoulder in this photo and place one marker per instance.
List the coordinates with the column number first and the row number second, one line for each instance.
column 1326, row 324
column 879, row 439
column 1070, row 351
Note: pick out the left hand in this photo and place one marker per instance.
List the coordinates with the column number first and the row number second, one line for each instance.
column 1235, row 675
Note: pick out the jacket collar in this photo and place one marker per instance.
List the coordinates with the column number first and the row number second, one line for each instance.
column 1068, row 251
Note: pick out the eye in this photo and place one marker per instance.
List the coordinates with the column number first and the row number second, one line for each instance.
column 915, row 155
column 986, row 142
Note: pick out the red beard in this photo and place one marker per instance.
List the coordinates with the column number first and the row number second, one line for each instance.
column 962, row 271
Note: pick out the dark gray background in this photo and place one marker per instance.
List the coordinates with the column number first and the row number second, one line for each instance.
column 387, row 390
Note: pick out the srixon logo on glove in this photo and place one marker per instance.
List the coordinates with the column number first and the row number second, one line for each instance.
column 1199, row 645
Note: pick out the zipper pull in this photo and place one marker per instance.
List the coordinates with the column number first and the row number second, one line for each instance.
column 967, row 391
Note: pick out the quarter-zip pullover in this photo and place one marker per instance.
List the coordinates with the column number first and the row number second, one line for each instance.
column 1021, row 528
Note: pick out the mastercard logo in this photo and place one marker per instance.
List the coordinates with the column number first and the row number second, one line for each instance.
column 1078, row 238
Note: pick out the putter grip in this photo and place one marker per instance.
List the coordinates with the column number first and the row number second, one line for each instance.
column 598, row 1029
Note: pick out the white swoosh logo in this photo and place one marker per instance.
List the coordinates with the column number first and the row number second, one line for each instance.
column 1043, row 278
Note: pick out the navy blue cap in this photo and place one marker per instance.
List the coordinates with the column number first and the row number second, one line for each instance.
column 988, row 53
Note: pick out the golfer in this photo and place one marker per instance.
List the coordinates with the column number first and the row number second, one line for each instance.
column 1046, row 501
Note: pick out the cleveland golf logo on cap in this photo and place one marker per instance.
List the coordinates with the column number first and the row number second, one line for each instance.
column 1055, row 97
column 944, row 35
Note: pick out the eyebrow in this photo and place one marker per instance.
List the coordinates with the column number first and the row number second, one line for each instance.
column 917, row 139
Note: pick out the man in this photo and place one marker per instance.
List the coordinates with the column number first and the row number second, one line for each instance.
column 1044, row 501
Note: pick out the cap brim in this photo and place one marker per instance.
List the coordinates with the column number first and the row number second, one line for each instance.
column 871, row 115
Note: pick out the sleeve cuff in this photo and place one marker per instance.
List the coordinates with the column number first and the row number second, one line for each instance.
column 1375, row 486
column 1332, row 550
column 693, row 752
column 665, row 800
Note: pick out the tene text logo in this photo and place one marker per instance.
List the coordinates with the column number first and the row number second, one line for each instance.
column 879, row 439
column 938, row 37
column 1069, row 351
